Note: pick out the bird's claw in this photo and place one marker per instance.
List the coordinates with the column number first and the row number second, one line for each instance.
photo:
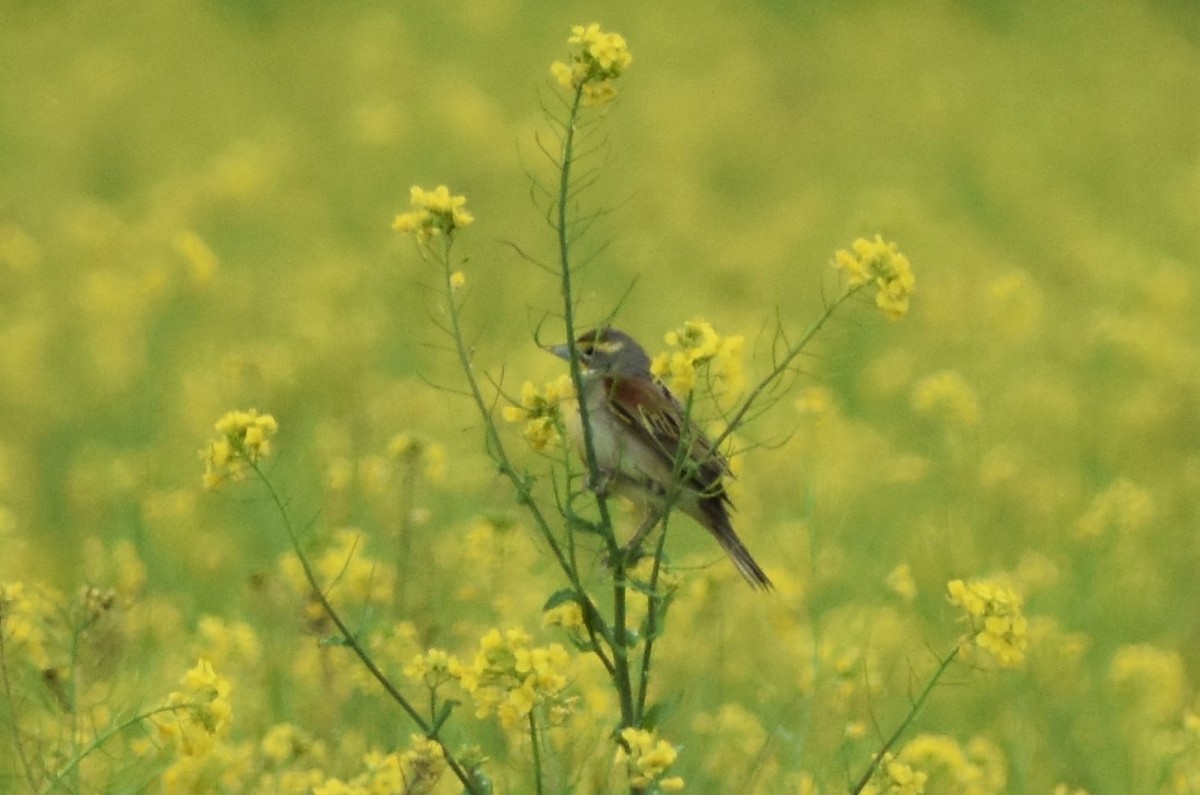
column 599, row 484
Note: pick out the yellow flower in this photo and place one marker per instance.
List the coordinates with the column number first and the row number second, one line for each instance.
column 284, row 743
column 23, row 623
column 893, row 777
column 947, row 394
column 568, row 615
column 903, row 780
column 542, row 411
column 700, row 349
column 1151, row 682
column 997, row 623
column 597, row 60
column 1124, row 506
column 412, row 451
column 433, row 668
column 978, row 769
column 509, row 677
column 423, row 764
column 435, row 212
column 882, row 262
column 201, row 714
column 202, row 262
column 900, row 582
column 646, row 757
column 245, row 439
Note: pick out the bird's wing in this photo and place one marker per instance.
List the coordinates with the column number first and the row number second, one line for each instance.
column 656, row 416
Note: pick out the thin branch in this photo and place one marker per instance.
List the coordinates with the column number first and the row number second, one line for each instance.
column 877, row 760
column 351, row 642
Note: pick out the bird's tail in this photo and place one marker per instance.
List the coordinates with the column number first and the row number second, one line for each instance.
column 722, row 529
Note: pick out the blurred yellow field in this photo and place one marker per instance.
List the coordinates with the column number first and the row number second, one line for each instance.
column 983, row 500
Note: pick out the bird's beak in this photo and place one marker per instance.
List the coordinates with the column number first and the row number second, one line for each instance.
column 561, row 351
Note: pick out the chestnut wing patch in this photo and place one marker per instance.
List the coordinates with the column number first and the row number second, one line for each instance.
column 655, row 415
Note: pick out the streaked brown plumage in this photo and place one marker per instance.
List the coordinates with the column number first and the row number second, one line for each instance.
column 637, row 428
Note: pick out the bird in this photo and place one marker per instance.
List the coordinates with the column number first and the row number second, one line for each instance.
column 637, row 428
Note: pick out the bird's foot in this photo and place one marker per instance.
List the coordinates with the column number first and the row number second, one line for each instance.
column 599, row 484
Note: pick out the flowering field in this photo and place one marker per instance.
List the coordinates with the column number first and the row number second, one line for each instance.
column 294, row 499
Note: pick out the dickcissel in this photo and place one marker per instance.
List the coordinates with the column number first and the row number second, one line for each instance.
column 637, row 429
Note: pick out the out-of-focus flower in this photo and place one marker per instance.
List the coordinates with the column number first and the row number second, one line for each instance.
column 433, row 668
column 202, row 262
column 894, row 777
column 900, row 582
column 948, row 396
column 1124, row 506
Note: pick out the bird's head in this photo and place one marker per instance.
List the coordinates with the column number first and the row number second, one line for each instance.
column 606, row 350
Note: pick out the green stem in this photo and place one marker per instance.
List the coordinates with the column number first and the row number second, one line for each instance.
column 653, row 601
column 877, row 760
column 26, row 765
column 72, row 766
column 782, row 366
column 564, row 254
column 351, row 642
column 495, row 446
column 619, row 641
column 537, row 754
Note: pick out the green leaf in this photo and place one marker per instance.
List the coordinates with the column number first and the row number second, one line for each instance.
column 559, row 597
column 657, row 712
column 443, row 715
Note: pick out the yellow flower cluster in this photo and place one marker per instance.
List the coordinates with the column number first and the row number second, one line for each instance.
column 201, row 712
column 977, row 769
column 20, row 627
column 1151, row 682
column 542, row 411
column 697, row 346
column 598, row 60
column 228, row 642
column 434, row 668
column 413, row 450
column 642, row 572
column 245, row 439
column 568, row 615
column 509, row 677
column 285, row 742
column 647, row 758
column 732, row 737
column 997, row 623
column 882, row 262
column 434, row 213
column 896, row 778
column 1124, row 507
column 415, row 771
column 947, row 395
column 900, row 582
column 202, row 262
